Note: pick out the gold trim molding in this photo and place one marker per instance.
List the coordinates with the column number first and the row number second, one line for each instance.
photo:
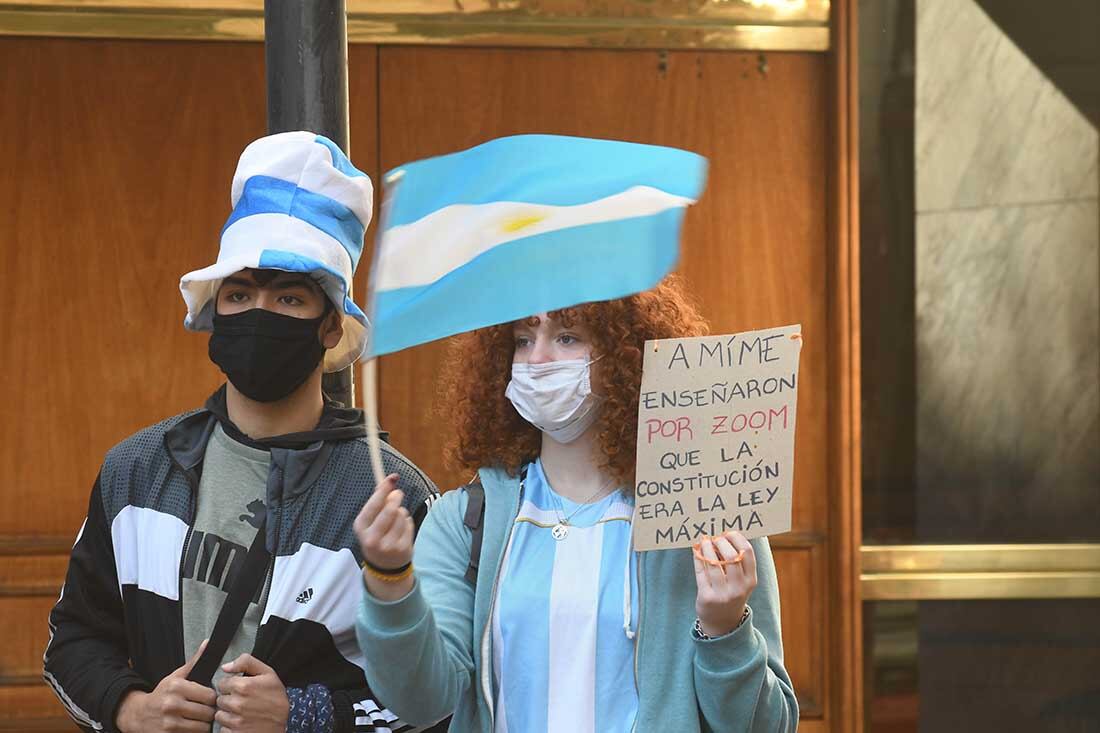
column 20, row 544
column 971, row 572
column 764, row 25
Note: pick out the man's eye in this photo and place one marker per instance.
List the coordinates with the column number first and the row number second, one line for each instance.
column 291, row 300
column 236, row 297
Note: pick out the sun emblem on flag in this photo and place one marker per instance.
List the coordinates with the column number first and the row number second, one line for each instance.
column 521, row 221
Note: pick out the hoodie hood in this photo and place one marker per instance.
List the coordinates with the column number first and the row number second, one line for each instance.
column 337, row 423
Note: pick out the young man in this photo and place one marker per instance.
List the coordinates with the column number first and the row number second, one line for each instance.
column 259, row 487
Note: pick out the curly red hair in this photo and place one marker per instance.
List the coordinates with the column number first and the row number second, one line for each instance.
column 486, row 430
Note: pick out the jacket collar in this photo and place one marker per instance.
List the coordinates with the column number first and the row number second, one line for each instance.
column 337, row 423
column 186, row 440
column 299, row 456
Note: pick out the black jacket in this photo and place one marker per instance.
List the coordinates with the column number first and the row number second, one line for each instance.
column 118, row 624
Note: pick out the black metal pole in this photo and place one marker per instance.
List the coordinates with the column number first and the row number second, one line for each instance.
column 306, row 51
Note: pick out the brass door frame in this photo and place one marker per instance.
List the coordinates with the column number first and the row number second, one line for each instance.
column 973, row 571
column 765, row 25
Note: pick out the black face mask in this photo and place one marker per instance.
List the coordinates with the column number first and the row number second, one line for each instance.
column 266, row 355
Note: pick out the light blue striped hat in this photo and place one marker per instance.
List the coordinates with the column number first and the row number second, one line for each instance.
column 299, row 205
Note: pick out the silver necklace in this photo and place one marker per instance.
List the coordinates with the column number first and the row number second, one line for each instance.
column 561, row 530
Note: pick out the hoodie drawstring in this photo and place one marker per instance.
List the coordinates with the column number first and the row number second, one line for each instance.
column 627, row 607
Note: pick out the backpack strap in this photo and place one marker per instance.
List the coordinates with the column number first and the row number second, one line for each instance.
column 249, row 580
column 474, row 520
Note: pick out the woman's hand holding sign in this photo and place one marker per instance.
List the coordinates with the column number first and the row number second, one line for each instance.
column 386, row 532
column 725, row 577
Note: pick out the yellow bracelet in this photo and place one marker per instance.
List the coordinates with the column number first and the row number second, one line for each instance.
column 389, row 577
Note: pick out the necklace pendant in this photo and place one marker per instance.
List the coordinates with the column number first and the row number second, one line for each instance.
column 560, row 531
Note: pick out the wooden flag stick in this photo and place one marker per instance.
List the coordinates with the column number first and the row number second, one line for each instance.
column 370, row 417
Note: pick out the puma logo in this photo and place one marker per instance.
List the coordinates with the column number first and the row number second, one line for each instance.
column 257, row 508
column 215, row 561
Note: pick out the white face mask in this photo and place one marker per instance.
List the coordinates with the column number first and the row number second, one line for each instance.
column 555, row 397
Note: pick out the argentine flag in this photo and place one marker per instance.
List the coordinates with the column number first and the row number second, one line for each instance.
column 523, row 225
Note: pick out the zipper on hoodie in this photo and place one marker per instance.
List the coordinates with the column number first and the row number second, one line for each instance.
column 265, row 594
column 486, row 635
column 638, row 638
column 194, row 506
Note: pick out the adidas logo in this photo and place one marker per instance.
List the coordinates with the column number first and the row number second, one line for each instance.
column 304, row 596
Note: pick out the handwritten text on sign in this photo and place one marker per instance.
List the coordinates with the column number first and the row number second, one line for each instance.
column 716, row 437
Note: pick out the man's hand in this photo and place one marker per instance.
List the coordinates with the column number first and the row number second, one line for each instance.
column 175, row 705
column 253, row 700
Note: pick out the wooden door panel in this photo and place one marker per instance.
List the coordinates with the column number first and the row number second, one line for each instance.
column 21, row 654
column 754, row 248
column 123, row 152
column 123, row 171
column 120, row 155
column 363, row 135
column 801, row 573
column 32, row 707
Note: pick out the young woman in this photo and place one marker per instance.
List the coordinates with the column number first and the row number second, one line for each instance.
column 566, row 627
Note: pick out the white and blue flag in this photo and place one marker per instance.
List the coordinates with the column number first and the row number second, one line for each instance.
column 523, row 225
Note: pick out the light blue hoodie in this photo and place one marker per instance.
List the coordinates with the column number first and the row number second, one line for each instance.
column 429, row 654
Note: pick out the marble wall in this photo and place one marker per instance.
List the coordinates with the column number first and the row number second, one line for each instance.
column 1007, row 281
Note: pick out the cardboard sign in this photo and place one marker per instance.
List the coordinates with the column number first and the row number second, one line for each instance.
column 716, row 421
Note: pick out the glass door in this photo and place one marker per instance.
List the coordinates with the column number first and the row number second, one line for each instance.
column 980, row 327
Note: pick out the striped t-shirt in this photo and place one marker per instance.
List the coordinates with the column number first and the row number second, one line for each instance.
column 565, row 615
